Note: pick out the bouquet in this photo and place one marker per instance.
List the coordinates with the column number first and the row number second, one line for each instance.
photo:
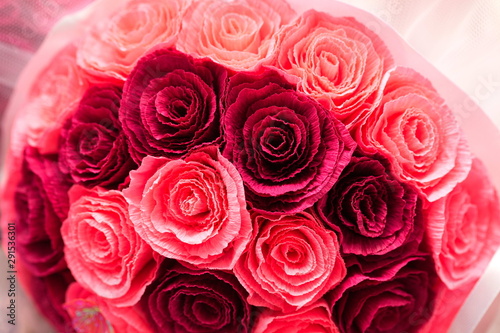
column 242, row 166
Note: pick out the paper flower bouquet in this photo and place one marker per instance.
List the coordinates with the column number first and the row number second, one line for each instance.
column 242, row 166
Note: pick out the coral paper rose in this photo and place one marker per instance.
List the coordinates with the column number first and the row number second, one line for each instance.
column 374, row 212
column 192, row 301
column 419, row 134
column 291, row 262
column 315, row 318
column 54, row 95
column 93, row 148
column 463, row 228
column 288, row 149
column 102, row 249
column 237, row 34
column 170, row 104
column 111, row 48
column 191, row 209
column 91, row 313
column 337, row 60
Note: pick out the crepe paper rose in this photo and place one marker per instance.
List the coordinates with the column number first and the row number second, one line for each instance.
column 170, row 104
column 102, row 249
column 419, row 134
column 41, row 204
column 48, row 294
column 184, row 300
column 93, row 149
column 110, row 48
column 237, row 34
column 191, row 209
column 398, row 299
column 374, row 212
column 55, row 93
column 291, row 262
column 315, row 318
column 91, row 313
column 463, row 228
column 288, row 149
column 337, row 61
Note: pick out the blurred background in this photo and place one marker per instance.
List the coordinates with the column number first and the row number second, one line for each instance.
column 461, row 38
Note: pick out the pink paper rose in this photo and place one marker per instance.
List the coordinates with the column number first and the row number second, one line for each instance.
column 112, row 47
column 419, row 134
column 237, row 34
column 54, row 94
column 91, row 313
column 337, row 61
column 291, row 262
column 463, row 228
column 102, row 249
column 315, row 318
column 191, row 209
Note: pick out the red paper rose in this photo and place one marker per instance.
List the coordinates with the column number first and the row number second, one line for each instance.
column 397, row 297
column 374, row 212
column 288, row 149
column 93, row 148
column 170, row 104
column 191, row 209
column 41, row 204
column 192, row 301
column 315, row 318
column 102, row 249
column 419, row 134
column 337, row 61
column 463, row 228
column 291, row 262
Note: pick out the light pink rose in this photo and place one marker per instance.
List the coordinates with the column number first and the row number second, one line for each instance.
column 337, row 61
column 55, row 93
column 316, row 318
column 418, row 133
column 191, row 209
column 292, row 261
column 91, row 313
column 237, row 34
column 463, row 228
column 102, row 249
column 112, row 47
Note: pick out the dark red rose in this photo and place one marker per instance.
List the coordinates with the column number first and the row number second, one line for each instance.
column 396, row 298
column 48, row 294
column 374, row 212
column 93, row 148
column 184, row 300
column 41, row 204
column 170, row 104
column 288, row 149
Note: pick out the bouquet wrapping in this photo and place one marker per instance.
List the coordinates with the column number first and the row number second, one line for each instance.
column 244, row 166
